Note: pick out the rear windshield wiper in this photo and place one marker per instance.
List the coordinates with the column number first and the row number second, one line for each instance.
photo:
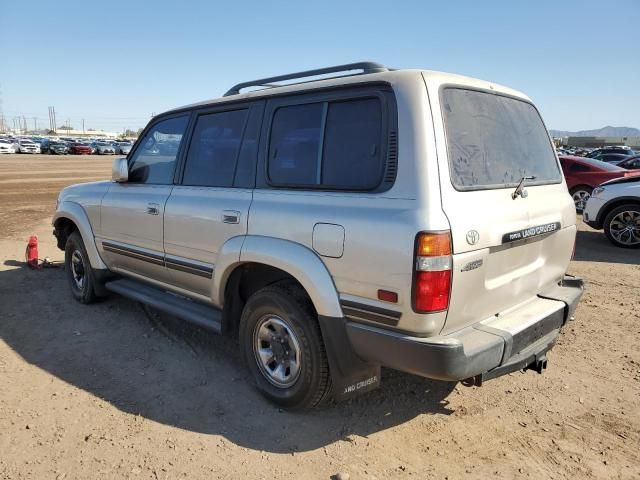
column 519, row 189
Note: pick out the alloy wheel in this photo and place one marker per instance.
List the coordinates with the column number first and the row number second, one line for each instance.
column 277, row 351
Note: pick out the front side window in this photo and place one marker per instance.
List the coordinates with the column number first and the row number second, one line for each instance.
column 154, row 161
column 333, row 145
column 493, row 141
column 214, row 149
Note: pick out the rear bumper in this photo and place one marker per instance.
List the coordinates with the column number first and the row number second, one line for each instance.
column 484, row 350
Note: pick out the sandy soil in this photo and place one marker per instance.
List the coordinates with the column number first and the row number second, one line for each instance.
column 104, row 391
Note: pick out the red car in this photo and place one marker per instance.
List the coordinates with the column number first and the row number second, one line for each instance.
column 80, row 149
column 584, row 174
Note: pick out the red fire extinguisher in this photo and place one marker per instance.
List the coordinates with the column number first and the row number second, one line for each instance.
column 31, row 254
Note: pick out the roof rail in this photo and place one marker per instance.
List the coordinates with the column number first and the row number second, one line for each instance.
column 366, row 67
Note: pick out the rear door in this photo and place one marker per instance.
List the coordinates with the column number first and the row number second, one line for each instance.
column 508, row 246
column 211, row 203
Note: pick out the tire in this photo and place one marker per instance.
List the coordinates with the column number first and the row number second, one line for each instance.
column 78, row 270
column 622, row 226
column 279, row 320
column 580, row 196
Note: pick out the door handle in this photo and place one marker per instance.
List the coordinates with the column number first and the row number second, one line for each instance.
column 153, row 208
column 230, row 216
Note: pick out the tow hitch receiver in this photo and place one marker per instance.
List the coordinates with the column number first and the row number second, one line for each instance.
column 539, row 364
column 536, row 363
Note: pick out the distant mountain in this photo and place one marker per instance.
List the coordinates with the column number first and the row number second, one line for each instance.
column 607, row 131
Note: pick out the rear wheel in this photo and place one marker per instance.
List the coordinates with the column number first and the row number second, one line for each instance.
column 580, row 196
column 282, row 344
column 622, row 226
column 78, row 269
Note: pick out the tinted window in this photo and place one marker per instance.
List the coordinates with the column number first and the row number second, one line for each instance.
column 214, row 148
column 295, row 143
column 352, row 153
column 578, row 167
column 154, row 160
column 345, row 137
column 600, row 165
column 494, row 141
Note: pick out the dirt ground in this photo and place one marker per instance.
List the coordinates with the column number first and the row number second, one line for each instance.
column 104, row 391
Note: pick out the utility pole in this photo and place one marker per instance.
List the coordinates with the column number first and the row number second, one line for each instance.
column 1, row 112
column 35, row 124
column 24, row 124
column 83, row 126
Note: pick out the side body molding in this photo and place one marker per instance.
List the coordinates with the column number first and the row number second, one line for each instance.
column 74, row 212
column 297, row 260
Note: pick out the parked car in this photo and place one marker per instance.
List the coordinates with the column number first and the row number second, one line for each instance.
column 630, row 163
column 7, row 146
column 122, row 148
column 324, row 224
column 27, row 146
column 613, row 158
column 615, row 207
column 584, row 174
column 58, row 148
column 624, row 150
column 103, row 148
column 79, row 148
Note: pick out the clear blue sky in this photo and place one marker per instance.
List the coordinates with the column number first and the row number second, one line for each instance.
column 115, row 62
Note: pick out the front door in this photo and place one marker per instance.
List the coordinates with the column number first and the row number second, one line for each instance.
column 132, row 213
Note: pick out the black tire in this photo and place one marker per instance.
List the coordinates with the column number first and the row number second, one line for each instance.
column 289, row 303
column 580, row 191
column 76, row 259
column 630, row 213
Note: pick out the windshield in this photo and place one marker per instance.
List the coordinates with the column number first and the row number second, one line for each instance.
column 494, row 141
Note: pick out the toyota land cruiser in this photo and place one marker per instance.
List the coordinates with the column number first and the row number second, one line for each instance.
column 373, row 217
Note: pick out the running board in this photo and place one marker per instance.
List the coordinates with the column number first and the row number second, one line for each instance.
column 183, row 308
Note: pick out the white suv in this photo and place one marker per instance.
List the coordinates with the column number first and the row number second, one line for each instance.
column 407, row 218
column 615, row 207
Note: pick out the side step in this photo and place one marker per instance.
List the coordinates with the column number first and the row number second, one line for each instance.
column 197, row 313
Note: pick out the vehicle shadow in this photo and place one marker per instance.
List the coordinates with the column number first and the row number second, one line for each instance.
column 182, row 376
column 593, row 246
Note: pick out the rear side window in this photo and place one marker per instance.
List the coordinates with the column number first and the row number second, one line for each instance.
column 295, row 144
column 335, row 145
column 214, row 149
column 578, row 167
column 493, row 141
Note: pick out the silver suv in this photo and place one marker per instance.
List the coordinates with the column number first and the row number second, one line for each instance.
column 410, row 219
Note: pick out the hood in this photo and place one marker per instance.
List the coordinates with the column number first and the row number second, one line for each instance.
column 634, row 176
column 82, row 189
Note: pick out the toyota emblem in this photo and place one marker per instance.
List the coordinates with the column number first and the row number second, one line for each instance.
column 472, row 237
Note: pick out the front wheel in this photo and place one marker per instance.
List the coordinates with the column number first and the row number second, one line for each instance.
column 281, row 341
column 78, row 269
column 622, row 226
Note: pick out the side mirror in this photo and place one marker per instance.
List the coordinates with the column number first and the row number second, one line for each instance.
column 120, row 170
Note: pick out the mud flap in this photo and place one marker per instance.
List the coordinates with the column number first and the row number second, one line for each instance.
column 350, row 375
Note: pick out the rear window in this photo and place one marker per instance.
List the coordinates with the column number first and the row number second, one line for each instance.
column 600, row 165
column 493, row 141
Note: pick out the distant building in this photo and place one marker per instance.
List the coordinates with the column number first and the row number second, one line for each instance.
column 595, row 142
column 87, row 133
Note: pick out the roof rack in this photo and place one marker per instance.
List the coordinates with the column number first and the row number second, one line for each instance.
column 366, row 67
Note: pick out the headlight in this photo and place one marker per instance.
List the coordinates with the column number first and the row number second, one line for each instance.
column 597, row 191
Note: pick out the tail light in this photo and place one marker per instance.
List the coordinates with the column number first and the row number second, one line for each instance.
column 432, row 277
